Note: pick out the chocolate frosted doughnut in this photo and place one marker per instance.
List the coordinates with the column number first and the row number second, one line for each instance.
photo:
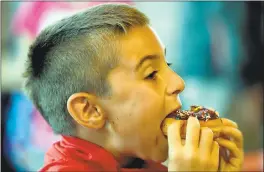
column 200, row 112
column 207, row 118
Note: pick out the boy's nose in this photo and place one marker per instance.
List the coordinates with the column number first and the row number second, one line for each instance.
column 176, row 84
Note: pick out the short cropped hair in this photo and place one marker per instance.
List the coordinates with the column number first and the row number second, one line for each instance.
column 75, row 55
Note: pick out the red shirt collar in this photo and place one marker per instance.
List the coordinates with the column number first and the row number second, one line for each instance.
column 84, row 150
column 90, row 151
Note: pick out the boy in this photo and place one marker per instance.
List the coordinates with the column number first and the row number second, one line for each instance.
column 100, row 80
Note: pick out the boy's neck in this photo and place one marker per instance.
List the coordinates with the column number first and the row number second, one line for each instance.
column 124, row 161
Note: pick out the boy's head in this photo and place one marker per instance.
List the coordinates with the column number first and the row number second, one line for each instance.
column 102, row 73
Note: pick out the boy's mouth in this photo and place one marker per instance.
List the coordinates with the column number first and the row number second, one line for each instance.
column 174, row 113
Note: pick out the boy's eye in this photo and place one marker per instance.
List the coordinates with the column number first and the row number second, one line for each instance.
column 152, row 75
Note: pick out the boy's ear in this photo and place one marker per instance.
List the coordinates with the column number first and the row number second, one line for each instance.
column 84, row 110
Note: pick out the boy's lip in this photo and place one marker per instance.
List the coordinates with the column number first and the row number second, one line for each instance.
column 173, row 112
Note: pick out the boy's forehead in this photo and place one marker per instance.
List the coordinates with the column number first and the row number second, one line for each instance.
column 140, row 42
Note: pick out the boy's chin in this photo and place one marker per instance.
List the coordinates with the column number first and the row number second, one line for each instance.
column 160, row 158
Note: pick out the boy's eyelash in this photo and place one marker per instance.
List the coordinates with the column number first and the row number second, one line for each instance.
column 169, row 64
column 152, row 75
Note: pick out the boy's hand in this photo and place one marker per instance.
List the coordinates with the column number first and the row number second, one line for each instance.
column 232, row 140
column 199, row 153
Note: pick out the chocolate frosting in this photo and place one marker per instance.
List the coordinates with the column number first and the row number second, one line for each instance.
column 200, row 112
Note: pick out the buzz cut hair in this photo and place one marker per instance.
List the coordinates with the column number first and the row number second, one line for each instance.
column 75, row 55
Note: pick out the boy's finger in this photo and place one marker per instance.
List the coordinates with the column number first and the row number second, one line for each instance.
column 228, row 122
column 206, row 141
column 215, row 153
column 174, row 135
column 231, row 146
column 192, row 133
column 233, row 133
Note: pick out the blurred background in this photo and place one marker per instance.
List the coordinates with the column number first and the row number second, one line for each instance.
column 215, row 46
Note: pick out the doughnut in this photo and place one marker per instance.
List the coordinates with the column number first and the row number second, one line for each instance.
column 207, row 118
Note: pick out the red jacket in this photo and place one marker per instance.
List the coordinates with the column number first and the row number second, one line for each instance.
column 73, row 154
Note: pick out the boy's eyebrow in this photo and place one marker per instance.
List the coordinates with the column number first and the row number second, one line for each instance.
column 147, row 57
